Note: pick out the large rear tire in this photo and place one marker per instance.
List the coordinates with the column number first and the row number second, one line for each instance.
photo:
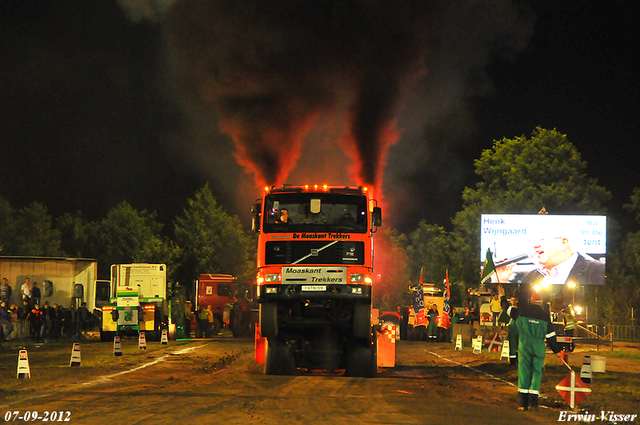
column 279, row 359
column 269, row 320
column 362, row 321
column 362, row 359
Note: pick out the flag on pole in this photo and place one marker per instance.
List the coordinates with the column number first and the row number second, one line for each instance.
column 418, row 304
column 489, row 268
column 447, row 297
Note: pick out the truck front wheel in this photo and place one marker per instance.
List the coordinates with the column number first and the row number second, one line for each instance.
column 362, row 360
column 279, row 359
column 269, row 320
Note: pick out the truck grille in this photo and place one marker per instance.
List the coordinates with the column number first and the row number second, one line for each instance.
column 316, row 252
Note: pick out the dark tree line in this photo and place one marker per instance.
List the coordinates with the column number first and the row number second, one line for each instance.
column 518, row 175
column 522, row 175
column 206, row 238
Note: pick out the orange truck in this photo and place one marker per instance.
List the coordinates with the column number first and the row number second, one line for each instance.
column 314, row 274
column 232, row 302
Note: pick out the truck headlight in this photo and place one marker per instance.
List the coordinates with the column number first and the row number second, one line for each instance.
column 274, row 277
column 356, row 278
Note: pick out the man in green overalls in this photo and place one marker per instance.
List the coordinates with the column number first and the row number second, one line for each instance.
column 534, row 326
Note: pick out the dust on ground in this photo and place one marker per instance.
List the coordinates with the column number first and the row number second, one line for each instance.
column 460, row 377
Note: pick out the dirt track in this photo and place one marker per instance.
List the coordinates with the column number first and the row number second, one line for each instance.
column 218, row 381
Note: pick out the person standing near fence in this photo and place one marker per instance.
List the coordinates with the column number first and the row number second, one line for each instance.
column 569, row 321
column 432, row 329
column 5, row 291
column 13, row 316
column 5, row 321
column 48, row 318
column 25, row 291
column 61, row 316
column 72, row 321
column 496, row 308
column 210, row 319
column 83, row 319
column 35, row 321
column 23, row 311
column 201, row 322
column 35, row 294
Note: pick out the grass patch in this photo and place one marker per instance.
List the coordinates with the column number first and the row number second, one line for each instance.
column 622, row 354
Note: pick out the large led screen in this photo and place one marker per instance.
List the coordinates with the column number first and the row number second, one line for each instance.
column 545, row 249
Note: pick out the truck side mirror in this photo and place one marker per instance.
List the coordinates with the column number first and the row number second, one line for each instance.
column 115, row 314
column 256, row 216
column 376, row 217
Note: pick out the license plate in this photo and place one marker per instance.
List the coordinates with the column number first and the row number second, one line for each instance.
column 314, row 288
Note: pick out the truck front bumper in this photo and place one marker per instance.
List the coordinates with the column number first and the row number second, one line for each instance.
column 292, row 292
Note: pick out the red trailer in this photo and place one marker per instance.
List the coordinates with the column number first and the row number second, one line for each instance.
column 232, row 302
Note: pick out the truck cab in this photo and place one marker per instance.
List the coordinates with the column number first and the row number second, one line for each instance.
column 138, row 301
column 315, row 268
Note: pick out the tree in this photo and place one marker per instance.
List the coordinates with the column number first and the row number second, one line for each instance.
column 211, row 240
column 6, row 227
column 34, row 234
column 523, row 175
column 75, row 233
column 633, row 207
column 28, row 231
column 126, row 235
column 622, row 292
column 428, row 249
column 623, row 274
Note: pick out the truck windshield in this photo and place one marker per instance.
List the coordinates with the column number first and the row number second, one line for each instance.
column 315, row 212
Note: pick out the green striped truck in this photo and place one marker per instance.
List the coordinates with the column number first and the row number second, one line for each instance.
column 138, row 301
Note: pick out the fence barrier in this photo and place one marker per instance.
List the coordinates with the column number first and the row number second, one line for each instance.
column 623, row 332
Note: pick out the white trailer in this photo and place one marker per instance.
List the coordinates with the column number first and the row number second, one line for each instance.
column 61, row 280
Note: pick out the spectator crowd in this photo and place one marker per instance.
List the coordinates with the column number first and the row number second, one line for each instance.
column 41, row 322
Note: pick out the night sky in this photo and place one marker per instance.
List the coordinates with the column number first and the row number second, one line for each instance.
column 146, row 101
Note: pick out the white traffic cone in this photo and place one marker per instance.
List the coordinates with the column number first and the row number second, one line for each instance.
column 75, row 355
column 585, row 372
column 165, row 338
column 23, row 365
column 477, row 345
column 117, row 346
column 504, row 355
column 459, row 342
column 142, row 341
